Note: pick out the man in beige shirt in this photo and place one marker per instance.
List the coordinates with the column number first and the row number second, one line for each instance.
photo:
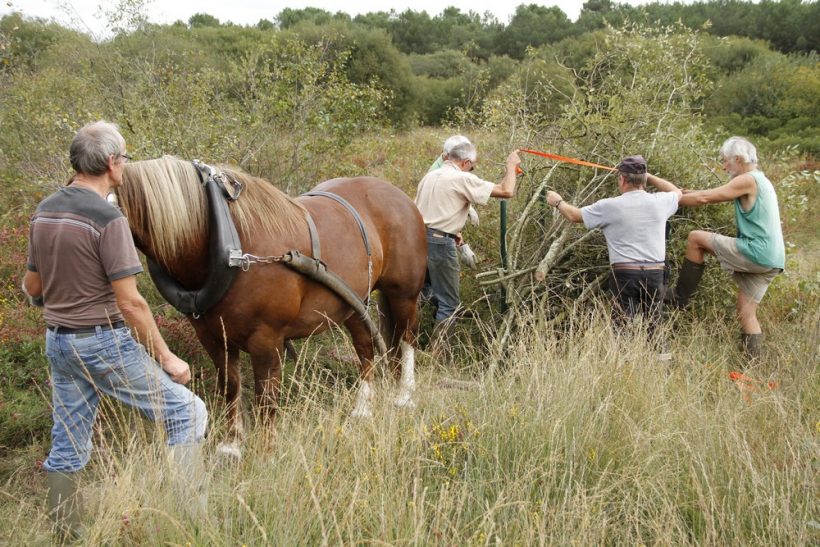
column 444, row 197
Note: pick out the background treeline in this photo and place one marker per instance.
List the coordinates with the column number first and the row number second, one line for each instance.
column 432, row 70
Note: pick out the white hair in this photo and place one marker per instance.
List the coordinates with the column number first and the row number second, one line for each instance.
column 739, row 147
column 463, row 151
column 454, row 141
column 93, row 145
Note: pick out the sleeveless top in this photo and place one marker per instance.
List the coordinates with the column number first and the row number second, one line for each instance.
column 760, row 237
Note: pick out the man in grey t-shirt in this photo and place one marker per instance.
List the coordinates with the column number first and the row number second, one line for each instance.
column 82, row 267
column 634, row 226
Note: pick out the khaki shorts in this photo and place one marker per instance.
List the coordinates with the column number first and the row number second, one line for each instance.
column 753, row 279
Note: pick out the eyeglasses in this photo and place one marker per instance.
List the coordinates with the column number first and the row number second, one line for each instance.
column 472, row 165
column 126, row 157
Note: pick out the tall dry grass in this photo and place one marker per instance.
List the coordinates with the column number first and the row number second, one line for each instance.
column 581, row 437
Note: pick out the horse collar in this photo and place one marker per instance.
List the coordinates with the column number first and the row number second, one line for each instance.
column 224, row 250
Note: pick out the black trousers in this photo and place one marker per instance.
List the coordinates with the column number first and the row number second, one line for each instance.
column 637, row 292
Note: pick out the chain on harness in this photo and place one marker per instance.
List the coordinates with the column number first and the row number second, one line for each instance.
column 238, row 259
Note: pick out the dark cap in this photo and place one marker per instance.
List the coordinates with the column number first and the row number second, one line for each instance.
column 632, row 164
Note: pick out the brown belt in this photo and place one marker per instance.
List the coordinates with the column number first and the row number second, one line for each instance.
column 439, row 233
column 637, row 266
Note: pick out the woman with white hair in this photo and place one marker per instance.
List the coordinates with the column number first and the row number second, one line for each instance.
column 443, row 197
column 465, row 252
column 755, row 256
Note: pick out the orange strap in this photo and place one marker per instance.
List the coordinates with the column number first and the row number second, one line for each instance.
column 740, row 377
column 566, row 159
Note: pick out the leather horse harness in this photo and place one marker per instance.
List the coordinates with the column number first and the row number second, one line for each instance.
column 225, row 257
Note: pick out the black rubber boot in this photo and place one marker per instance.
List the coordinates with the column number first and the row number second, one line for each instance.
column 752, row 345
column 688, row 280
column 65, row 506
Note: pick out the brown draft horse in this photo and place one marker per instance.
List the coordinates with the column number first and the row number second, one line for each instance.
column 269, row 303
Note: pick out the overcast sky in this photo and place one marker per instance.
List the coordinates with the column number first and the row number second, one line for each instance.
column 85, row 15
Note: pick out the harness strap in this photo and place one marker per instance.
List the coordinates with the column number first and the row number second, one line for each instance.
column 315, row 241
column 350, row 208
column 315, row 246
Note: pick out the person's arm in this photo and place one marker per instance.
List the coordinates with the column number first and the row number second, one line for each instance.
column 138, row 315
column 568, row 211
column 506, row 189
column 32, row 284
column 33, row 288
column 663, row 185
column 735, row 188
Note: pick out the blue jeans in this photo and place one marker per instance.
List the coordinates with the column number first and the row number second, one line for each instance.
column 443, row 272
column 110, row 362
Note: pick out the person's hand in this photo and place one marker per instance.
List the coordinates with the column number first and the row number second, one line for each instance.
column 459, row 239
column 472, row 216
column 177, row 369
column 467, row 256
column 38, row 300
column 554, row 198
column 513, row 160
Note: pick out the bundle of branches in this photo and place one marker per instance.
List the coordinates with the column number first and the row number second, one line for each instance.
column 639, row 93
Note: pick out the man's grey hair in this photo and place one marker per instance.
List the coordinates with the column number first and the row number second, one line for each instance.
column 635, row 179
column 454, row 141
column 92, row 145
column 739, row 147
column 463, row 151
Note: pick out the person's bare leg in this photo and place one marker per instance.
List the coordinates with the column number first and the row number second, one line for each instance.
column 751, row 335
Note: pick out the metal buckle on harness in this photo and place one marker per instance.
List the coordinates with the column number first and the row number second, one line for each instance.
column 237, row 259
column 237, row 186
column 210, row 174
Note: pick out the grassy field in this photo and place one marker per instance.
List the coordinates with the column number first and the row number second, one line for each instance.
column 580, row 437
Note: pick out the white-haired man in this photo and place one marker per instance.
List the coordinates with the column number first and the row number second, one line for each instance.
column 755, row 256
column 444, row 197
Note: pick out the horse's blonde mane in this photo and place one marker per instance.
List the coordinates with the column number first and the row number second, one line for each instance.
column 167, row 209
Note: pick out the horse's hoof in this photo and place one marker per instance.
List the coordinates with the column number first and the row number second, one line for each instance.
column 361, row 413
column 229, row 452
column 404, row 402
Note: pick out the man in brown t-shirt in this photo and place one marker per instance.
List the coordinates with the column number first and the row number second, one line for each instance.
column 444, row 197
column 82, row 264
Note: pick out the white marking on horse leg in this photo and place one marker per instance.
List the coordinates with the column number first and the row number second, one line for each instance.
column 362, row 408
column 407, row 383
column 229, row 452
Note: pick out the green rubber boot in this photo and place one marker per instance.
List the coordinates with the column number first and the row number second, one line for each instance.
column 752, row 345
column 688, row 280
column 65, row 506
column 189, row 479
